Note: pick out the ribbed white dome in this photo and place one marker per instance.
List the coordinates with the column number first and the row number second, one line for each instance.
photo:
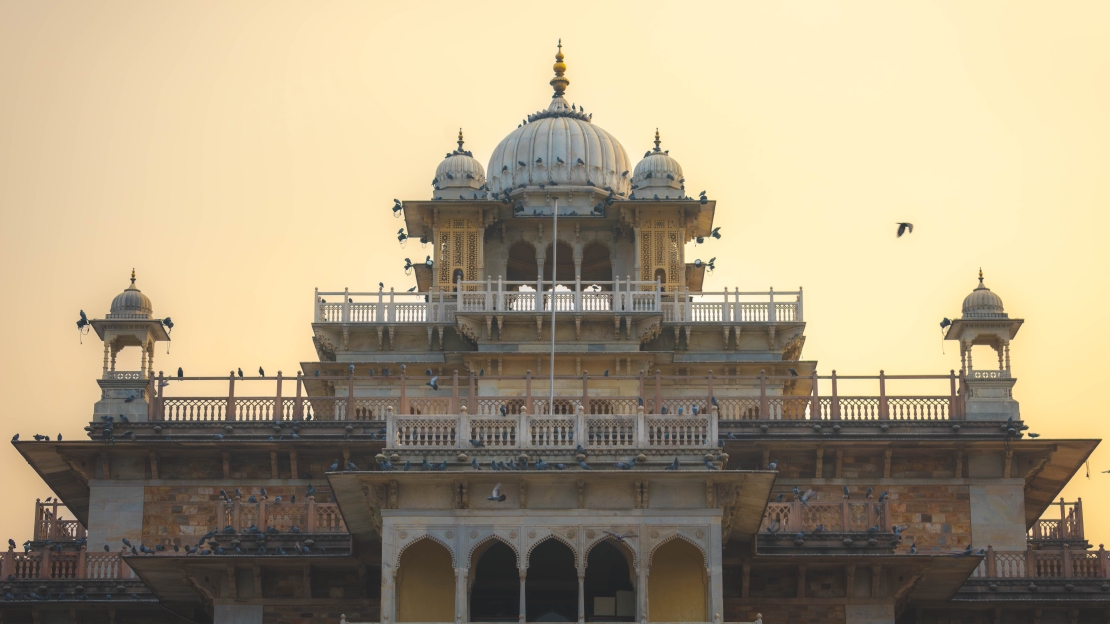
column 658, row 174
column 131, row 303
column 559, row 146
column 982, row 303
column 459, row 175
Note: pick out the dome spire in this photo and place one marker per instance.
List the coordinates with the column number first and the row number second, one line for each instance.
column 657, row 141
column 559, row 82
column 132, row 278
column 981, row 285
column 460, row 140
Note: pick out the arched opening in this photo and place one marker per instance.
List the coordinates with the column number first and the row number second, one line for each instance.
column 551, row 589
column 495, row 585
column 564, row 266
column 597, row 266
column 522, row 263
column 661, row 277
column 677, row 585
column 609, row 585
column 426, row 584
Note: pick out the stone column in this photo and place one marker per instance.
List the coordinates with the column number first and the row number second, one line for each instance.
column 461, row 608
column 642, row 593
column 107, row 356
column 523, row 576
column 581, row 596
column 716, row 574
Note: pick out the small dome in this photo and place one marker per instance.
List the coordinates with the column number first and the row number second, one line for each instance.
column 982, row 303
column 658, row 174
column 559, row 147
column 460, row 175
column 131, row 303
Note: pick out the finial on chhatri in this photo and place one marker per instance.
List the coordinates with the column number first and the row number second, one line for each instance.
column 132, row 278
column 980, row 276
column 559, row 82
column 460, row 140
column 657, row 141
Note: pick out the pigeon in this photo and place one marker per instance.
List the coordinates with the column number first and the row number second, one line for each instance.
column 797, row 493
column 808, row 495
column 773, row 465
column 731, row 436
column 626, row 465
column 351, row 467
column 440, row 467
column 773, row 528
column 474, row 463
column 780, row 497
column 432, row 383
column 106, row 547
column 334, row 467
column 873, row 530
column 261, row 373
column 820, row 529
column 493, row 465
column 478, row 443
column 869, row 493
column 709, row 465
column 580, row 450
column 252, row 499
column 945, row 322
column 882, row 497
column 426, row 465
column 59, row 437
column 126, row 543
column 846, row 493
column 583, row 465
column 618, row 536
column 793, row 373
column 497, row 495
column 512, row 465
column 560, row 466
column 15, row 438
column 262, row 492
column 800, row 536
column 1034, row 435
column 673, row 465
column 542, row 465
column 913, row 549
column 904, row 227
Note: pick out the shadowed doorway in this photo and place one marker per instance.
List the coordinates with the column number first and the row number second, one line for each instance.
column 551, row 589
column 610, row 596
column 495, row 587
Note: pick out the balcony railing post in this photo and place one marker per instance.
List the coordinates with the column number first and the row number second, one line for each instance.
column 1030, row 562
column 585, row 392
column 724, row 308
column 455, row 393
column 350, row 408
column 316, row 307
column 801, row 317
column 472, row 398
column 346, row 305
column 151, row 394
column 500, row 294
column 44, row 564
column 230, row 412
column 763, row 395
column 124, row 570
column 884, row 408
column 379, row 313
column 1066, row 561
column 392, row 307
column 709, row 399
column 278, row 415
column 714, row 420
column 462, row 429
column 82, row 563
column 815, row 401
column 40, row 516
column 9, row 560
column 641, row 390
column 390, row 426
column 641, row 428
column 577, row 293
column 236, row 514
column 52, row 531
column 528, row 391
column 658, row 407
column 311, row 513
column 992, row 563
column 580, row 434
column 489, row 294
column 658, row 295
column 262, row 513
column 1103, row 563
column 1079, row 518
column 834, row 405
column 953, row 409
column 771, row 316
column 887, row 526
column 845, row 516
column 298, row 404
column 796, row 515
column 404, row 397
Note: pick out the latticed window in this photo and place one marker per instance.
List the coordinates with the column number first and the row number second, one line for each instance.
column 660, row 247
column 457, row 252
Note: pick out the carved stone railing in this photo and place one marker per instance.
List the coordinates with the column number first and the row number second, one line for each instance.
column 48, row 564
column 737, row 397
column 1067, row 528
column 50, row 525
column 834, row 517
column 1066, row 562
column 308, row 516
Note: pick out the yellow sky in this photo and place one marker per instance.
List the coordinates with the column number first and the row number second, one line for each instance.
column 238, row 154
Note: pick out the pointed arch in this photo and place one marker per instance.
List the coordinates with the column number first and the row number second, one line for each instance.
column 484, row 542
column 425, row 582
column 559, row 538
column 426, row 536
column 633, row 554
column 678, row 582
column 683, row 537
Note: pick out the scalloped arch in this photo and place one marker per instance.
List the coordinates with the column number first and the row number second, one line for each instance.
column 606, row 538
column 425, row 536
column 490, row 537
column 555, row 536
column 678, row 535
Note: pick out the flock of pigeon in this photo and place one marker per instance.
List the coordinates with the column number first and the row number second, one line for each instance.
column 385, row 465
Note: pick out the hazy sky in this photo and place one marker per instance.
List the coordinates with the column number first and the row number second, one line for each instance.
column 239, row 154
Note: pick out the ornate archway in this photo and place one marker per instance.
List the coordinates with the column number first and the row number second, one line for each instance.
column 425, row 583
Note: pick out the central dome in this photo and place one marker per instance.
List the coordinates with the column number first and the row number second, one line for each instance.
column 559, row 147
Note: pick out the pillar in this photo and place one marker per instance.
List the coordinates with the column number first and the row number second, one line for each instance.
column 462, row 609
column 642, row 593
column 107, row 356
column 523, row 576
column 581, row 596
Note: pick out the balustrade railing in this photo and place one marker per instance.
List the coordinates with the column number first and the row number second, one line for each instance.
column 833, row 517
column 308, row 516
column 1068, row 527
column 618, row 296
column 49, row 564
column 736, row 398
column 50, row 525
column 1065, row 562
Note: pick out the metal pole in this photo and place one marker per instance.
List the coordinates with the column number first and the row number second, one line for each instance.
column 554, row 266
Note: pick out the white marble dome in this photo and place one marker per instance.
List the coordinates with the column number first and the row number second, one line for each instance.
column 131, row 303
column 982, row 303
column 459, row 175
column 557, row 147
column 658, row 175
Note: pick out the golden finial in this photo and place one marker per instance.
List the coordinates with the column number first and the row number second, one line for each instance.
column 559, row 82
column 132, row 278
column 657, row 141
column 980, row 276
column 460, row 140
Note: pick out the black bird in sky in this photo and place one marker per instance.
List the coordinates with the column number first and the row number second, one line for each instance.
column 904, row 228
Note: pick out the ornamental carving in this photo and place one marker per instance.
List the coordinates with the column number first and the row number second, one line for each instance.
column 590, row 534
column 572, row 533
column 473, row 535
column 403, row 534
column 451, row 534
column 654, row 534
column 531, row 535
column 512, row 534
column 700, row 534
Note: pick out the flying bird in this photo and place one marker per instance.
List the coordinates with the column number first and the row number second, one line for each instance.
column 497, row 495
column 618, row 536
column 904, row 227
column 432, row 384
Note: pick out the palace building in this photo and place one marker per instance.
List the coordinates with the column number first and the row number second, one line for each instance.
column 559, row 424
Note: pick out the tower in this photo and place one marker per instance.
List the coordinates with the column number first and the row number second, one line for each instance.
column 984, row 322
column 128, row 324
